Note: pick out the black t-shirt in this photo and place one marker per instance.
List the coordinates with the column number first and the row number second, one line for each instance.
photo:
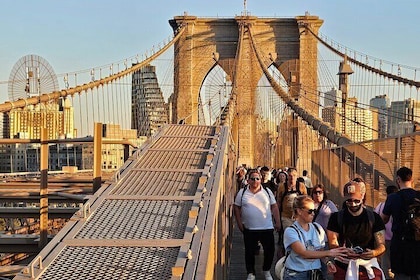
column 271, row 185
column 394, row 207
column 356, row 230
column 405, row 255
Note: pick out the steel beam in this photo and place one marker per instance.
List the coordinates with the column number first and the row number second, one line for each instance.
column 33, row 212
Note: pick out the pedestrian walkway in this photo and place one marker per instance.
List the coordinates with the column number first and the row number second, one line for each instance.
column 237, row 270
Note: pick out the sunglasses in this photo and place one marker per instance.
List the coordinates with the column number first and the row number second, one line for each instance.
column 355, row 201
column 254, row 179
column 318, row 192
column 309, row 211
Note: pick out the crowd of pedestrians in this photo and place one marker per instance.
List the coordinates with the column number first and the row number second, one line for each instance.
column 317, row 239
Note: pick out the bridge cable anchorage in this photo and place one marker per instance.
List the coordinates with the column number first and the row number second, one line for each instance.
column 324, row 129
column 365, row 65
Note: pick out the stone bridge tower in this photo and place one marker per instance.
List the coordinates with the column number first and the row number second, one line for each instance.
column 208, row 42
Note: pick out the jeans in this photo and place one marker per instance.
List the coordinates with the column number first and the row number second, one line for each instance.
column 297, row 275
column 251, row 238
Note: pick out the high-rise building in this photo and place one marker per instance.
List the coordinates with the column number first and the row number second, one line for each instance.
column 332, row 98
column 357, row 123
column 380, row 104
column 113, row 154
column 3, row 122
column 148, row 109
column 56, row 117
column 402, row 116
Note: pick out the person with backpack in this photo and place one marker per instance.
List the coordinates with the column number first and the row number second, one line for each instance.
column 240, row 177
column 362, row 231
column 254, row 209
column 385, row 259
column 287, row 194
column 305, row 242
column 404, row 208
column 267, row 181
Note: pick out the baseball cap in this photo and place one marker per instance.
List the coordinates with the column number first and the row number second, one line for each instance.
column 355, row 186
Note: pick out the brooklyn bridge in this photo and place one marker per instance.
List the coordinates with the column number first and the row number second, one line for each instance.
column 218, row 94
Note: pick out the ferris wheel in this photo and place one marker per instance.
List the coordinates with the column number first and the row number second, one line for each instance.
column 31, row 76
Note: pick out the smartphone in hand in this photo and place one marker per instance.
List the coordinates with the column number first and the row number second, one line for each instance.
column 357, row 249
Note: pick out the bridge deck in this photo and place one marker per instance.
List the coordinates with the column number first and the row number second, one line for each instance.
column 141, row 225
column 237, row 270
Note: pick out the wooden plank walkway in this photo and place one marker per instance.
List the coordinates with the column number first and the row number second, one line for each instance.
column 237, row 270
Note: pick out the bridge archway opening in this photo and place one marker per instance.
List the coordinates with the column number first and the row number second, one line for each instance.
column 271, row 112
column 214, row 95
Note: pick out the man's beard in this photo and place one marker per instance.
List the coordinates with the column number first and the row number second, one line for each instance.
column 355, row 209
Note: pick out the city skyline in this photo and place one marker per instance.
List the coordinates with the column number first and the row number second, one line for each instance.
column 69, row 35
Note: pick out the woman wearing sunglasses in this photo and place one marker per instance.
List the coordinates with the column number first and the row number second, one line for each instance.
column 305, row 244
column 324, row 207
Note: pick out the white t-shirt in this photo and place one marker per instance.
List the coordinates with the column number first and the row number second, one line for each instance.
column 256, row 208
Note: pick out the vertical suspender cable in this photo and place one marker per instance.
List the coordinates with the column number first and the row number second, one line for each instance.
column 120, row 100
column 93, row 105
column 103, row 96
column 87, row 111
column 112, row 98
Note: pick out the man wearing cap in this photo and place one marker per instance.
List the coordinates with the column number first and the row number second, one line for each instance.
column 359, row 229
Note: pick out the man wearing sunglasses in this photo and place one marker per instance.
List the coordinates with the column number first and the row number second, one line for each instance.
column 359, row 229
column 254, row 209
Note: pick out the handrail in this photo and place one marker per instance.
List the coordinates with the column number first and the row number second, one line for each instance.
column 39, row 258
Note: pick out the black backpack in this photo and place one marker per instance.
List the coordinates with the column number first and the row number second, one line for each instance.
column 410, row 217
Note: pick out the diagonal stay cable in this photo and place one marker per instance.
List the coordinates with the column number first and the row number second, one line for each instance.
column 324, row 129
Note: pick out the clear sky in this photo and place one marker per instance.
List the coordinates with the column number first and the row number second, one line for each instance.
column 76, row 35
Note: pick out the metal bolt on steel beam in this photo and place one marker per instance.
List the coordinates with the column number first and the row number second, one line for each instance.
column 189, row 254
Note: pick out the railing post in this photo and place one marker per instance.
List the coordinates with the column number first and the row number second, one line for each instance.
column 97, row 157
column 43, row 192
column 126, row 152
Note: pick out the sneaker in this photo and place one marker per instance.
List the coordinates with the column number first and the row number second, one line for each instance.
column 251, row 276
column 267, row 275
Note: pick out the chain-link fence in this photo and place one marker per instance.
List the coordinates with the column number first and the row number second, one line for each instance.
column 375, row 161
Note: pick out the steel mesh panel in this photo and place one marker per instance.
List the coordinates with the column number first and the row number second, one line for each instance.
column 112, row 263
column 137, row 219
column 158, row 183
column 190, row 130
column 172, row 159
column 182, row 143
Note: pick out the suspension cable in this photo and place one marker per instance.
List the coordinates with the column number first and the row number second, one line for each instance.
column 323, row 128
column 365, row 66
